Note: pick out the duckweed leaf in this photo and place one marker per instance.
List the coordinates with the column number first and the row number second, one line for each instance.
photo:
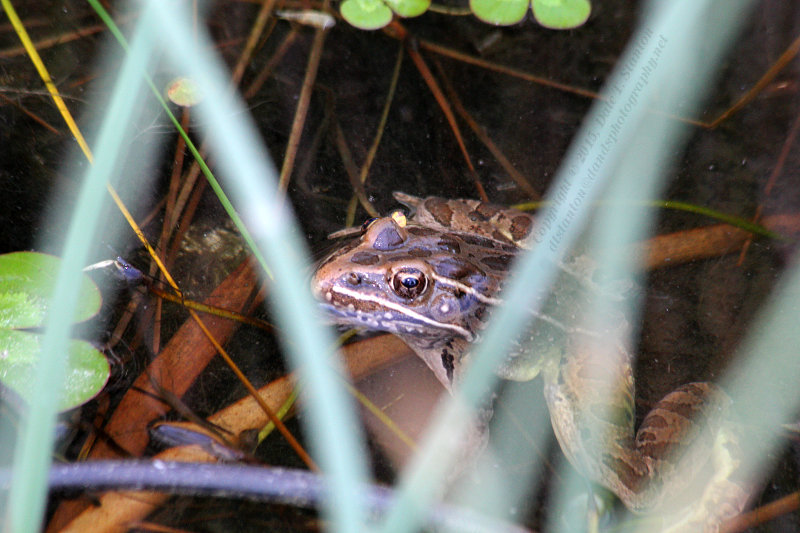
column 554, row 14
column 502, row 12
column 561, row 14
column 409, row 8
column 184, row 92
column 366, row 14
column 27, row 280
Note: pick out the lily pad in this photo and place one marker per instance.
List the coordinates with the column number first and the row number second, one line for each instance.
column 561, row 14
column 366, row 14
column 501, row 12
column 27, row 280
column 86, row 373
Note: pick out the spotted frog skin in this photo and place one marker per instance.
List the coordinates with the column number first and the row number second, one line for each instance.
column 433, row 281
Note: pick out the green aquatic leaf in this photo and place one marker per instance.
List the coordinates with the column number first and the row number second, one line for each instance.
column 409, row 8
column 86, row 373
column 561, row 14
column 184, row 92
column 366, row 14
column 27, row 280
column 501, row 12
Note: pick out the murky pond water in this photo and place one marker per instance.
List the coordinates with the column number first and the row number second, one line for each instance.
column 695, row 314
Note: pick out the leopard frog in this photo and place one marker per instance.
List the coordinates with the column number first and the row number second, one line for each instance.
column 433, row 280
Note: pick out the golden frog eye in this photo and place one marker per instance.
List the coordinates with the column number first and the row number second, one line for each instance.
column 409, row 283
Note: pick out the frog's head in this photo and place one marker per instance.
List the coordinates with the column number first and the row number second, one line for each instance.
column 424, row 285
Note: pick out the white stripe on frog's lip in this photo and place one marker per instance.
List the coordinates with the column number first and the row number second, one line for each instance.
column 403, row 311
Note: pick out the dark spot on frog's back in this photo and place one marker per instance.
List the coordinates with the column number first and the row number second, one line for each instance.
column 520, row 227
column 454, row 268
column 440, row 211
column 419, row 252
column 475, row 240
column 420, row 231
column 483, row 212
column 498, row 262
column 402, row 258
column 365, row 258
column 449, row 243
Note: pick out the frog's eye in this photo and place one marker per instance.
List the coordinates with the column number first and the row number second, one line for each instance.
column 409, row 283
column 367, row 224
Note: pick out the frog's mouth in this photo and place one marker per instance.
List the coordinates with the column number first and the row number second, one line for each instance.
column 358, row 308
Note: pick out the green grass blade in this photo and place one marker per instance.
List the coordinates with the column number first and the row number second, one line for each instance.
column 26, row 499
column 336, row 442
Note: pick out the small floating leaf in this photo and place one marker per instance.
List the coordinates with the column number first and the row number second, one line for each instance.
column 184, row 92
column 366, row 14
column 561, row 14
column 409, row 8
column 502, row 12
column 27, row 280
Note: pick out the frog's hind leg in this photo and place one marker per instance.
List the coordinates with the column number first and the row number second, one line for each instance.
column 683, row 443
column 724, row 492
